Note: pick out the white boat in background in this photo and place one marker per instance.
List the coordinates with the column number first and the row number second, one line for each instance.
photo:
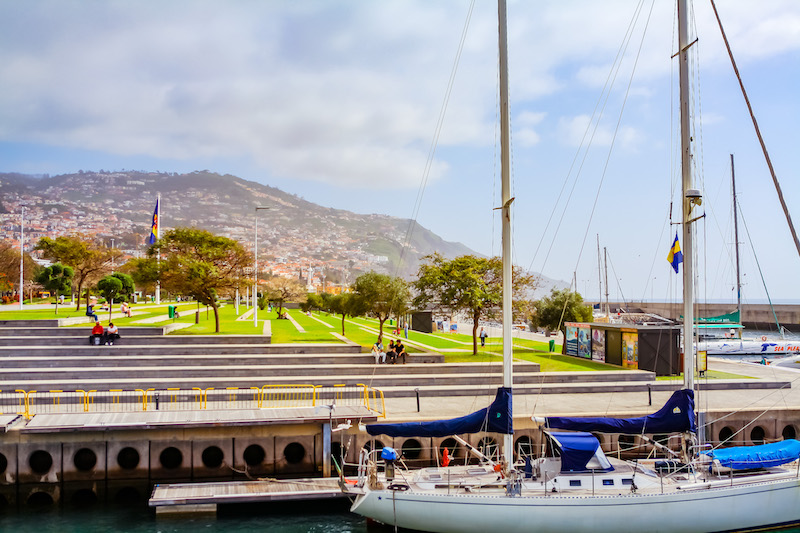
column 573, row 486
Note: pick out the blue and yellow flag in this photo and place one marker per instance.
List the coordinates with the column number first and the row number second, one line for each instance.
column 675, row 256
column 154, row 228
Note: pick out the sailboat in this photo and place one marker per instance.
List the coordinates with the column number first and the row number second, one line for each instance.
column 574, row 486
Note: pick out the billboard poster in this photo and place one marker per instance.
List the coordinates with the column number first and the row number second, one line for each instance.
column 599, row 345
column 584, row 342
column 572, row 339
column 630, row 350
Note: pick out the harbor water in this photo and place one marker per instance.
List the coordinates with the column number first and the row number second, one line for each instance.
column 308, row 517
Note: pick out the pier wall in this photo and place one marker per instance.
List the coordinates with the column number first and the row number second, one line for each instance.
column 80, row 467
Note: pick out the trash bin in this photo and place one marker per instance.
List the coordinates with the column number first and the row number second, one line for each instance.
column 552, row 345
column 171, row 311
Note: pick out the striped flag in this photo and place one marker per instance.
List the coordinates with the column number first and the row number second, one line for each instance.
column 154, row 228
column 675, row 256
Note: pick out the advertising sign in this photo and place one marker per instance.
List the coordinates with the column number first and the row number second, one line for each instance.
column 599, row 345
column 572, row 339
column 584, row 342
column 630, row 350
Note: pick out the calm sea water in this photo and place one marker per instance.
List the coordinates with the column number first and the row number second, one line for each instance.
column 298, row 518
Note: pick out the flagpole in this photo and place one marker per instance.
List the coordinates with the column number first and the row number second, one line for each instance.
column 158, row 236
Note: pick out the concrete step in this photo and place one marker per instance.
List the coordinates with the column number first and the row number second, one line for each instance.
column 172, row 349
column 45, row 332
column 29, row 323
column 289, row 371
column 134, row 340
column 248, row 378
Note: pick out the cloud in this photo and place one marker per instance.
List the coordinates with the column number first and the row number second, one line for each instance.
column 337, row 92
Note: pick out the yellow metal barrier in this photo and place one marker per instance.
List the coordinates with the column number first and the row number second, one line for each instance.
column 145, row 397
column 29, row 403
column 116, row 398
column 201, row 397
column 300, row 395
column 88, row 399
column 24, row 403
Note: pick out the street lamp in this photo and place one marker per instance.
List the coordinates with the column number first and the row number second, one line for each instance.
column 255, row 274
column 112, row 256
column 21, row 253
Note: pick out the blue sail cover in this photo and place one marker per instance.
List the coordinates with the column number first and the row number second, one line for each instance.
column 761, row 456
column 676, row 416
column 495, row 419
column 577, row 449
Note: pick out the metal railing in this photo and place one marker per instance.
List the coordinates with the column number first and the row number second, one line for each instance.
column 33, row 402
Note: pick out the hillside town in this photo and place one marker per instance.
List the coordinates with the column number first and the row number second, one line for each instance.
column 323, row 250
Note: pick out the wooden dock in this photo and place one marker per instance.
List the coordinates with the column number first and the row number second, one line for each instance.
column 204, row 497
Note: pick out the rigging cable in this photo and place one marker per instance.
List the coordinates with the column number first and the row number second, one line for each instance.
column 613, row 142
column 435, row 141
column 594, row 119
column 758, row 131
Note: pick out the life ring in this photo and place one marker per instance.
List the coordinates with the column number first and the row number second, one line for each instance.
column 400, row 487
column 763, row 337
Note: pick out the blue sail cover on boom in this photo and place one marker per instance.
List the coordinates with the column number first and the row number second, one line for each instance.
column 495, row 419
column 676, row 416
column 761, row 456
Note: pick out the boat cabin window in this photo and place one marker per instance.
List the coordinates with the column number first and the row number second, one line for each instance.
column 435, row 477
column 477, row 471
column 574, row 482
column 608, row 482
column 627, row 481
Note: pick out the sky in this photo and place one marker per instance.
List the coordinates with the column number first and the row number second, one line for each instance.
column 339, row 102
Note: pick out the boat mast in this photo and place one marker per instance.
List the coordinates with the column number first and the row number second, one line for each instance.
column 505, row 162
column 688, row 202
column 736, row 244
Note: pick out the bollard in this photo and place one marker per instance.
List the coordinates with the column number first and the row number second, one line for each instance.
column 416, row 391
column 649, row 395
column 156, row 397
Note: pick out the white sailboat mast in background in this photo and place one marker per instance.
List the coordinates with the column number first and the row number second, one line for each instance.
column 690, row 198
column 505, row 172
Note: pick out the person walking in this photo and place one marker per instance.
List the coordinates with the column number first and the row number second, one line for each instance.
column 483, row 336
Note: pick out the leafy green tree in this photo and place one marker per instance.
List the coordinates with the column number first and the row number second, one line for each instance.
column 281, row 290
column 143, row 271
column 469, row 284
column 200, row 264
column 57, row 279
column 561, row 306
column 87, row 258
column 313, row 301
column 347, row 304
column 383, row 296
column 109, row 288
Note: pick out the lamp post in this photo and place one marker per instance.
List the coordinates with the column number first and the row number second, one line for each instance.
column 255, row 274
column 112, row 256
column 21, row 253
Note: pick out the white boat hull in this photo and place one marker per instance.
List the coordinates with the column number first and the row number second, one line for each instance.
column 771, row 348
column 737, row 508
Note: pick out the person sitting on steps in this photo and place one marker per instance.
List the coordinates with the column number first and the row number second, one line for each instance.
column 90, row 312
column 112, row 334
column 378, row 353
column 400, row 350
column 391, row 354
column 97, row 333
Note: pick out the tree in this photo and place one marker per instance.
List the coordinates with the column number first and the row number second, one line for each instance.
column 282, row 290
column 109, row 287
column 143, row 271
column 9, row 268
column 200, row 264
column 313, row 301
column 347, row 304
column 467, row 284
column 561, row 306
column 383, row 296
column 57, row 279
column 87, row 258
